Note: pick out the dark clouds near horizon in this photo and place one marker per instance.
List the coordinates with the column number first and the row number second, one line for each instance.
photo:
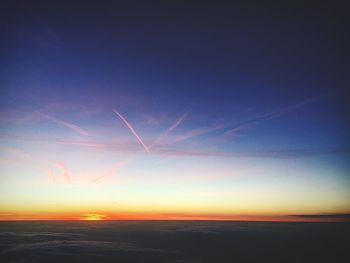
column 172, row 241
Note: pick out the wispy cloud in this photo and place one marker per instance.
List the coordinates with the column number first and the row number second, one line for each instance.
column 169, row 130
column 7, row 161
column 335, row 216
column 82, row 247
column 71, row 108
column 131, row 128
column 66, row 124
column 154, row 120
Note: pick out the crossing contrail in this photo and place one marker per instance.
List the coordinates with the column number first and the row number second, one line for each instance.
column 170, row 129
column 132, row 130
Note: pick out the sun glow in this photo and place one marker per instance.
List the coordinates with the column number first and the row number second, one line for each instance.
column 92, row 217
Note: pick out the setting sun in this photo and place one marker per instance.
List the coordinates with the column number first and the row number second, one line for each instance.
column 92, row 217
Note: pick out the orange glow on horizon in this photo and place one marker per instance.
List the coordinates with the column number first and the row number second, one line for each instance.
column 100, row 216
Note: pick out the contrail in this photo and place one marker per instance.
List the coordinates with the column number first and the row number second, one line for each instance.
column 255, row 121
column 200, row 131
column 17, row 153
column 169, row 130
column 132, row 130
column 52, row 175
column 69, row 125
column 113, row 169
column 65, row 172
column 246, row 124
column 276, row 154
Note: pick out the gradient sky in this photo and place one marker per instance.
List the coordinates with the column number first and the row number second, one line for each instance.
column 174, row 111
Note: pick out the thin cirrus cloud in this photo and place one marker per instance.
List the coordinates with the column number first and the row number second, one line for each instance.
column 66, row 124
column 131, row 128
column 154, row 120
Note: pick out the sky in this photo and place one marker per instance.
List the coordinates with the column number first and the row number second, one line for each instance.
column 174, row 111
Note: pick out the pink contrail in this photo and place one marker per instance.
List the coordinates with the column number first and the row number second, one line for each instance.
column 169, row 130
column 69, row 125
column 132, row 130
column 65, row 172
column 52, row 175
column 113, row 169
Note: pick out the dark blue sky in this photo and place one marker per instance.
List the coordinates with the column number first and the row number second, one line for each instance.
column 222, row 62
